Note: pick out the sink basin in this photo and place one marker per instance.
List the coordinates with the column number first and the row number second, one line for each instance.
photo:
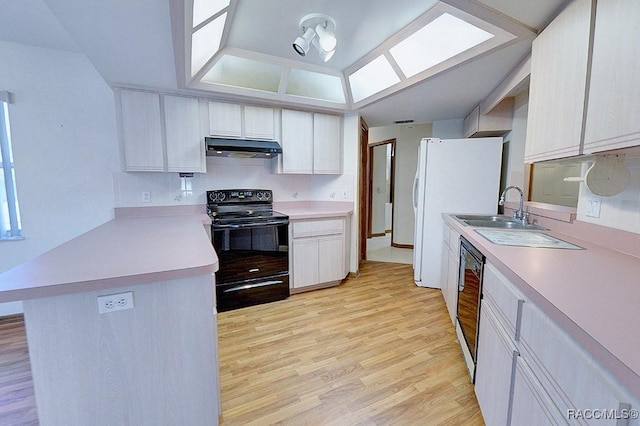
column 525, row 239
column 495, row 221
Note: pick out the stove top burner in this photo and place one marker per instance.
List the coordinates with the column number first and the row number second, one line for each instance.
column 242, row 207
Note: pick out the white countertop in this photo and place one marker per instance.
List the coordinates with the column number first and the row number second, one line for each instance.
column 593, row 294
column 125, row 251
column 314, row 209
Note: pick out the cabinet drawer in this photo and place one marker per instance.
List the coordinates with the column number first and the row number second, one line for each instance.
column 310, row 228
column 564, row 368
column 505, row 298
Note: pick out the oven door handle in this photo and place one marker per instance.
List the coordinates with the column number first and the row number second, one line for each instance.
column 249, row 286
column 251, row 225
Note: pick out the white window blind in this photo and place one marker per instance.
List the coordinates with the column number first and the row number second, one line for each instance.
column 10, row 226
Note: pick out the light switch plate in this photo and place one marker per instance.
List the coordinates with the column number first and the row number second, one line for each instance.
column 593, row 207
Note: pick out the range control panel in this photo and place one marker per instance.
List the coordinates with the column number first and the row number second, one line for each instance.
column 244, row 196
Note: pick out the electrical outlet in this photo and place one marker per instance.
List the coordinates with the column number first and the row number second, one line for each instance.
column 146, row 197
column 115, row 302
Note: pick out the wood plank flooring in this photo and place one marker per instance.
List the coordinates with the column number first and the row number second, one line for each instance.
column 376, row 350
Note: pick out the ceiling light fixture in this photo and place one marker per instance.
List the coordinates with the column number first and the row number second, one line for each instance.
column 317, row 30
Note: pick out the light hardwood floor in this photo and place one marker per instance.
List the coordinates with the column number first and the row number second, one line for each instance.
column 376, row 350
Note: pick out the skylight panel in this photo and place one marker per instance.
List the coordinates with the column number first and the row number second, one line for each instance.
column 372, row 78
column 315, row 85
column 245, row 73
column 205, row 43
column 205, row 9
column 439, row 40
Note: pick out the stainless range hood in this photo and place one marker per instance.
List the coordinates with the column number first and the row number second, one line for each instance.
column 242, row 148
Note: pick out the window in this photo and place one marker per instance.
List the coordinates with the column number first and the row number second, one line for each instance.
column 10, row 226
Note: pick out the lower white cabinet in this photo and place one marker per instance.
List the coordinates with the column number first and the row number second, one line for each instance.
column 530, row 371
column 531, row 404
column 497, row 355
column 449, row 269
column 318, row 255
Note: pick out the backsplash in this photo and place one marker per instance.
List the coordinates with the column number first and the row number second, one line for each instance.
column 166, row 189
column 620, row 211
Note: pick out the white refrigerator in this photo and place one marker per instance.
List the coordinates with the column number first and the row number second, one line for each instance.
column 453, row 176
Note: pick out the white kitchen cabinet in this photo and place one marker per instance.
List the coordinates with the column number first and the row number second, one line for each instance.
column 185, row 146
column 161, row 133
column 297, row 142
column 449, row 269
column 225, row 119
column 559, row 60
column 259, row 122
column 141, row 128
column 318, row 252
column 497, row 356
column 496, row 122
column 614, row 93
column 567, row 373
column 531, row 404
column 311, row 143
column 327, row 144
column 238, row 121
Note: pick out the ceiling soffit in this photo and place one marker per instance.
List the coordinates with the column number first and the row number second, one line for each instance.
column 280, row 80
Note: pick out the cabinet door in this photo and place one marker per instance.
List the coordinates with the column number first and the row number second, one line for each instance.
column 258, row 123
column 331, row 258
column 225, row 119
column 327, row 144
column 141, row 131
column 305, row 262
column 531, row 404
column 297, row 142
column 614, row 93
column 185, row 147
column 495, row 368
column 559, row 59
column 444, row 270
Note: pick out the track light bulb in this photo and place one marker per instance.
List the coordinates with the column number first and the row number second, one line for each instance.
column 301, row 44
column 328, row 40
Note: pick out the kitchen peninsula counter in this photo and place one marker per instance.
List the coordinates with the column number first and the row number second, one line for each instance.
column 124, row 251
column 593, row 294
column 155, row 360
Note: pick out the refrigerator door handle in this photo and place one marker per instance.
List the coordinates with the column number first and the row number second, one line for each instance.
column 415, row 193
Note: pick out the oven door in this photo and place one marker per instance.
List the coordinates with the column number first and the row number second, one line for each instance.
column 251, row 250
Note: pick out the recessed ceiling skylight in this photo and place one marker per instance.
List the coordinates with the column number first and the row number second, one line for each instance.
column 204, row 9
column 315, row 85
column 245, row 73
column 205, row 43
column 372, row 78
column 439, row 40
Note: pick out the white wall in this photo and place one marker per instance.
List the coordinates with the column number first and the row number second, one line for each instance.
column 620, row 211
column 514, row 143
column 449, row 129
column 407, row 141
column 65, row 148
column 379, row 190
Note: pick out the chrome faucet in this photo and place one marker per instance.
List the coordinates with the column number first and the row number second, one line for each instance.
column 519, row 214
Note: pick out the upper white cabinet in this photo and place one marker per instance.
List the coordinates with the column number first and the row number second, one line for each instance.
column 613, row 112
column 141, row 131
column 185, row 146
column 327, row 144
column 238, row 121
column 311, row 143
column 559, row 60
column 496, row 122
column 297, row 142
column 148, row 132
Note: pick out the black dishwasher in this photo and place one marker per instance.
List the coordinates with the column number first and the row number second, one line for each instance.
column 469, row 297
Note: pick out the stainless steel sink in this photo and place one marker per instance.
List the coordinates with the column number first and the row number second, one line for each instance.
column 495, row 221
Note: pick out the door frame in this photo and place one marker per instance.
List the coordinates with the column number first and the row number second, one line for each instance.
column 371, row 146
column 363, row 190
